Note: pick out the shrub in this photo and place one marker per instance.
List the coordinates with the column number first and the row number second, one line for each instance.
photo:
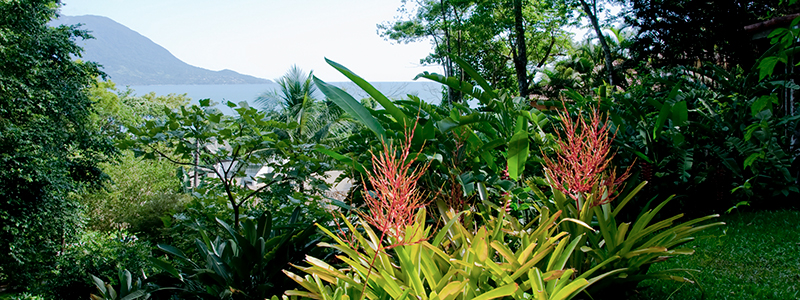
column 242, row 263
column 25, row 296
column 584, row 187
column 99, row 253
column 141, row 193
column 406, row 258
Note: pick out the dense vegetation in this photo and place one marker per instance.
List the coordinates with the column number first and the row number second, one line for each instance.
column 579, row 169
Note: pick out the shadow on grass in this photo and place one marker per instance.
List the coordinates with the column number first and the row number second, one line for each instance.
column 755, row 256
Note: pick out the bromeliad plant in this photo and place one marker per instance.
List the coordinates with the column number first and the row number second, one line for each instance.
column 395, row 197
column 406, row 260
column 456, row 263
column 128, row 289
column 584, row 188
column 245, row 264
column 472, row 150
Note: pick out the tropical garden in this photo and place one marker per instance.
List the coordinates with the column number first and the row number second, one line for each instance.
column 654, row 158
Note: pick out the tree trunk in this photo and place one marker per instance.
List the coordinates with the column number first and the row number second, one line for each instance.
column 520, row 51
column 606, row 50
column 195, row 182
column 547, row 54
column 448, row 64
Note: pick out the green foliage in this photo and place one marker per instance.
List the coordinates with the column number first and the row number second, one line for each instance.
column 502, row 259
column 583, row 69
column 670, row 34
column 48, row 145
column 128, row 290
column 586, row 188
column 96, row 253
column 316, row 121
column 483, row 33
column 24, row 296
column 635, row 245
column 115, row 109
column 140, row 194
column 228, row 152
column 245, row 263
column 709, row 136
column 465, row 146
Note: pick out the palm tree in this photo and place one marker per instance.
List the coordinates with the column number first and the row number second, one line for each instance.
column 295, row 101
column 317, row 121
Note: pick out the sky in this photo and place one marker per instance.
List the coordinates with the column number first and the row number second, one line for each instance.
column 264, row 38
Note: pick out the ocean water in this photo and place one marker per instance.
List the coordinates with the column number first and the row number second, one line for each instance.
column 430, row 92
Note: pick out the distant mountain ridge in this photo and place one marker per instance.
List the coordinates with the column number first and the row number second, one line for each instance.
column 130, row 58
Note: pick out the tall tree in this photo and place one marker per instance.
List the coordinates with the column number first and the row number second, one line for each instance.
column 685, row 32
column 499, row 38
column 520, row 50
column 48, row 145
column 590, row 10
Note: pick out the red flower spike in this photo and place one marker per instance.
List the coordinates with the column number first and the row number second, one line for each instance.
column 395, row 198
column 582, row 160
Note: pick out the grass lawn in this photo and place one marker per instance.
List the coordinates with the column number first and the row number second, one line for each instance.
column 755, row 256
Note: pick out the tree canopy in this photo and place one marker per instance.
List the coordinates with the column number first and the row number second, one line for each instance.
column 504, row 40
column 686, row 32
column 48, row 146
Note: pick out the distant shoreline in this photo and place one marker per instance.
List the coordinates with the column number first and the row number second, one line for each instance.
column 430, row 92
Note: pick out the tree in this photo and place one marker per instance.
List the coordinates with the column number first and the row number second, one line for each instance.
column 297, row 104
column 590, row 10
column 139, row 192
column 686, row 32
column 317, row 121
column 583, row 70
column 499, row 38
column 231, row 149
column 49, row 147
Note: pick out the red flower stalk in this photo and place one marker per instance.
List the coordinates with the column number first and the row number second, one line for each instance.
column 583, row 159
column 395, row 198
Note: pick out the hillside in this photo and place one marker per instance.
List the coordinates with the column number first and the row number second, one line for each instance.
column 130, row 58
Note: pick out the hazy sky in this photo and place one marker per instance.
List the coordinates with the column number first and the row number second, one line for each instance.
column 264, row 38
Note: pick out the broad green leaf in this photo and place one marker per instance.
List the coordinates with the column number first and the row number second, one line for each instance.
column 101, row 286
column 475, row 76
column 517, row 152
column 452, row 290
column 499, row 292
column 165, row 266
column 134, row 295
column 175, row 251
column 680, row 114
column 761, row 103
column 569, row 289
column 341, row 158
column 351, row 106
column 459, row 85
column 644, row 251
column 663, row 115
column 766, row 66
column 374, row 93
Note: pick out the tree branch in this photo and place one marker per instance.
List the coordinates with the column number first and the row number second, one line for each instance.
column 253, row 193
column 162, row 154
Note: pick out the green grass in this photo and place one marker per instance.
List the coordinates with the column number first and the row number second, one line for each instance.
column 755, row 256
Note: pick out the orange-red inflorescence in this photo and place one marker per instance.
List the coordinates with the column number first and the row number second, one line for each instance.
column 395, row 197
column 583, row 159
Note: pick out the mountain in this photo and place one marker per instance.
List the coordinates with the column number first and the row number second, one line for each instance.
column 130, row 58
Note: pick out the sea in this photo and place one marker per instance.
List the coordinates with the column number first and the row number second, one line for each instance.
column 430, row 92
